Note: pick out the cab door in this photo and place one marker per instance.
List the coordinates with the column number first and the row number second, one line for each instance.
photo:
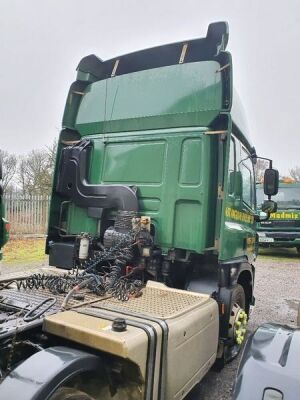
column 238, row 229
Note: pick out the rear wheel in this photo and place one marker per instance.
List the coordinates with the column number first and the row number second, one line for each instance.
column 65, row 393
column 298, row 250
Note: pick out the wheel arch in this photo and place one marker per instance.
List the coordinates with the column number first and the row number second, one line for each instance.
column 245, row 279
column 37, row 382
column 243, row 273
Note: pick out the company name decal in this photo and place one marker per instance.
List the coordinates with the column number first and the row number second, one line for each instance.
column 237, row 215
column 284, row 215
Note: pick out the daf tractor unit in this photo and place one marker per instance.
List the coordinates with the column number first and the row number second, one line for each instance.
column 152, row 233
column 282, row 229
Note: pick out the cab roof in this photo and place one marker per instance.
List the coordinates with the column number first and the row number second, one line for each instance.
column 131, row 73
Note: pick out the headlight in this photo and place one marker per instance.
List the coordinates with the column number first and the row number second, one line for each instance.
column 261, row 234
column 272, row 394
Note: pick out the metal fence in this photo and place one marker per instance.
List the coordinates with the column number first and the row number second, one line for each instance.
column 27, row 214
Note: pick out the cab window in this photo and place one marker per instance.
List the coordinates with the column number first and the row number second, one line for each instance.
column 246, row 169
column 231, row 166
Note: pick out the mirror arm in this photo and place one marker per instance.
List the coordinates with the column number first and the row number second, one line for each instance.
column 267, row 159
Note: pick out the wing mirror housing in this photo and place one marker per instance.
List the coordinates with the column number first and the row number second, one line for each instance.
column 269, row 206
column 271, row 182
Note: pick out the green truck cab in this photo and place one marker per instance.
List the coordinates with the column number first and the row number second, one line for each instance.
column 153, row 214
column 4, row 225
column 282, row 229
column 156, row 134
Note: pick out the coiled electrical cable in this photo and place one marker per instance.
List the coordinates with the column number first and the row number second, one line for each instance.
column 102, row 274
column 39, row 309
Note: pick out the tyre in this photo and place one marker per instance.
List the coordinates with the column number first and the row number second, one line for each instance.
column 65, row 393
column 236, row 328
column 298, row 250
column 238, row 296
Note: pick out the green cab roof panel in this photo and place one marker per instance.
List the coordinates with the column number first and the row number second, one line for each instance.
column 171, row 96
column 182, row 84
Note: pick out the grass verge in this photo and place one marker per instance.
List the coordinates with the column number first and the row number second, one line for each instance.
column 24, row 251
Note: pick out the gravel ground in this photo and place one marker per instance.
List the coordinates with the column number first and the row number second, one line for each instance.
column 277, row 292
column 8, row 269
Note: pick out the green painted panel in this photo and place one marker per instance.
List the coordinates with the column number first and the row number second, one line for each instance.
column 169, row 90
column 79, row 221
column 180, row 199
column 92, row 106
column 153, row 162
column 148, row 204
column 190, row 171
column 134, row 162
column 3, row 232
column 187, row 224
column 197, row 118
column 183, row 94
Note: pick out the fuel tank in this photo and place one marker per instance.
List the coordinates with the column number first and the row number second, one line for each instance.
column 170, row 334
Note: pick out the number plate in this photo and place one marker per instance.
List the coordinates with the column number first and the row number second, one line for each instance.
column 262, row 239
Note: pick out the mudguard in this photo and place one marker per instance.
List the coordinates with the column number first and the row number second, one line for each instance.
column 269, row 368
column 41, row 374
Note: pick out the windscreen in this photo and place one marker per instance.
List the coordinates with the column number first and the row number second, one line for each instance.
column 287, row 197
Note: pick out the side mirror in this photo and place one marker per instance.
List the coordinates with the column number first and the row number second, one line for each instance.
column 269, row 206
column 271, row 182
column 1, row 173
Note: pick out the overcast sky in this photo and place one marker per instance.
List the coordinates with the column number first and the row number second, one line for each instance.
column 42, row 41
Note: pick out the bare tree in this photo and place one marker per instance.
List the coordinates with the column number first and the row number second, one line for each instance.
column 260, row 167
column 9, row 165
column 51, row 152
column 35, row 171
column 295, row 173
